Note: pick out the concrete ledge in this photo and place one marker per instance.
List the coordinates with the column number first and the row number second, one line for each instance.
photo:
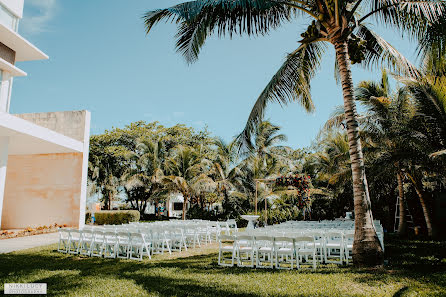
column 29, row 138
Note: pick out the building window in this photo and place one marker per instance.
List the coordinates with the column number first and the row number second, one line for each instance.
column 8, row 19
column 177, row 206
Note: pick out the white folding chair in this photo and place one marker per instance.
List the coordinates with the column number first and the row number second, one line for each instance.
column 122, row 246
column 73, row 241
column 284, row 252
column 191, row 236
column 110, row 244
column 136, row 246
column 178, row 240
column 334, row 247
column 97, row 244
column 304, row 246
column 227, row 244
column 319, row 240
column 348, row 246
column 245, row 250
column 85, row 244
column 264, row 247
column 64, row 236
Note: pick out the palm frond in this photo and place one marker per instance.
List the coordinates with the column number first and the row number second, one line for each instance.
column 197, row 20
column 379, row 52
column 337, row 118
column 409, row 16
column 290, row 83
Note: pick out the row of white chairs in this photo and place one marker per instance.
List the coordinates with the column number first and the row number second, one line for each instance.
column 346, row 226
column 130, row 241
column 330, row 247
column 267, row 251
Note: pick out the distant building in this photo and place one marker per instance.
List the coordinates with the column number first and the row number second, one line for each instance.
column 43, row 156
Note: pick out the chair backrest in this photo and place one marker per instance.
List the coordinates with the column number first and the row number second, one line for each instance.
column 87, row 234
column 64, row 233
column 136, row 237
column 304, row 242
column 123, row 236
column 283, row 239
column 98, row 234
column 75, row 234
column 110, row 235
column 333, row 236
column 348, row 237
column 225, row 237
column 264, row 240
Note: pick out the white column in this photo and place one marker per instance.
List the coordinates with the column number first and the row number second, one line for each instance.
column 4, row 141
column 5, row 91
column 83, row 198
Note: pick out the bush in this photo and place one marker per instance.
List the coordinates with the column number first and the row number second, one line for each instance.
column 113, row 217
column 196, row 212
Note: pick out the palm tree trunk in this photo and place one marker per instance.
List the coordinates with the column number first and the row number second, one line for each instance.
column 168, row 207
column 402, row 213
column 184, row 208
column 426, row 213
column 367, row 250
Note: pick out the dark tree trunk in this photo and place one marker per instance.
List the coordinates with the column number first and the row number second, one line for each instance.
column 402, row 226
column 426, row 213
column 184, row 207
column 367, row 250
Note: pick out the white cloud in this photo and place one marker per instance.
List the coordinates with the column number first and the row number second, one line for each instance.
column 38, row 14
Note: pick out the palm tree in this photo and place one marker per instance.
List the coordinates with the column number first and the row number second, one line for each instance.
column 336, row 22
column 429, row 94
column 184, row 166
column 386, row 123
column 262, row 159
column 104, row 172
column 224, row 171
column 142, row 178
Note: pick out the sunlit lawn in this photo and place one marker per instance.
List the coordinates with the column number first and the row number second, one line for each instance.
column 415, row 268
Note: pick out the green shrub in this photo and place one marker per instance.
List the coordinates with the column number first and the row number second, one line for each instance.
column 113, row 217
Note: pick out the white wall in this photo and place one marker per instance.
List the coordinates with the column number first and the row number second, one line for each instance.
column 15, row 6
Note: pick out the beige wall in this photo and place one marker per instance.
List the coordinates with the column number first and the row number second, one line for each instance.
column 42, row 190
column 68, row 123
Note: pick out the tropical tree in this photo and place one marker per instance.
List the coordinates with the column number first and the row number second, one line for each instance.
column 262, row 159
column 142, row 179
column 386, row 124
column 106, row 164
column 186, row 174
column 429, row 94
column 224, row 170
column 341, row 23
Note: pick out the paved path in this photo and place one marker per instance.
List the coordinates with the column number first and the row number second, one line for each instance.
column 27, row 242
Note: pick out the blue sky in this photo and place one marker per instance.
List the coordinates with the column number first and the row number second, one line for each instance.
column 101, row 60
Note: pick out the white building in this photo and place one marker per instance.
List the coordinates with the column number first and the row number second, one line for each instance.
column 43, row 156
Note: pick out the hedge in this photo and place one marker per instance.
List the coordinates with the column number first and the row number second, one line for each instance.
column 113, row 217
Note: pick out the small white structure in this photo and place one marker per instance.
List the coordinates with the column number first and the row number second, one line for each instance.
column 176, row 205
column 43, row 156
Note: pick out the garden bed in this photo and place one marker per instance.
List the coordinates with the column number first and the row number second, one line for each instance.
column 6, row 234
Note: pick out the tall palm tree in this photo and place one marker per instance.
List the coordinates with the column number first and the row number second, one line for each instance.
column 224, row 170
column 386, row 123
column 335, row 22
column 104, row 172
column 429, row 94
column 142, row 178
column 261, row 159
column 184, row 166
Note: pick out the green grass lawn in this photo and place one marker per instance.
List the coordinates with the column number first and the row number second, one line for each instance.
column 415, row 268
